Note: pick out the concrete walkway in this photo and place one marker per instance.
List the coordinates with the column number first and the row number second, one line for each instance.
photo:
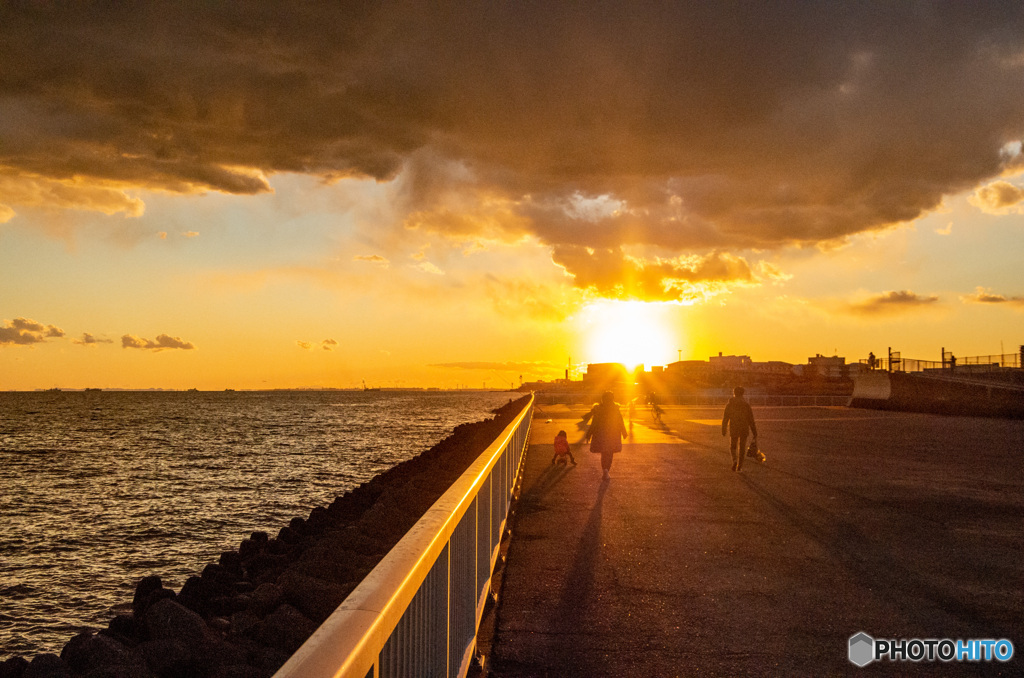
column 898, row 525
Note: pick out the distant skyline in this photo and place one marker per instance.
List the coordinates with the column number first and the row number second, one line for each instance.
column 228, row 197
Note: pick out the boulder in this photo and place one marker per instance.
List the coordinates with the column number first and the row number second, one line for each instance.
column 385, row 519
column 315, row 598
column 13, row 667
column 167, row 620
column 284, row 629
column 145, row 587
column 265, row 599
column 47, row 666
column 88, row 651
column 201, row 593
column 169, row 657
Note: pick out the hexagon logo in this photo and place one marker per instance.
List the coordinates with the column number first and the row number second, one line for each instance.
column 862, row 649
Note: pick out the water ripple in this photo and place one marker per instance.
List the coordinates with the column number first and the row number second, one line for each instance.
column 102, row 489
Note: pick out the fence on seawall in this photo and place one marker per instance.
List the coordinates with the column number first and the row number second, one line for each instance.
column 719, row 400
column 417, row 612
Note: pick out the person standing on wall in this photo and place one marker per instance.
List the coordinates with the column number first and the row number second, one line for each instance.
column 607, row 431
column 739, row 420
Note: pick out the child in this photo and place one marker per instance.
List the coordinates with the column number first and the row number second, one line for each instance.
column 562, row 449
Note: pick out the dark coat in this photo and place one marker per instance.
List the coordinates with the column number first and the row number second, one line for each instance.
column 739, row 418
column 607, row 429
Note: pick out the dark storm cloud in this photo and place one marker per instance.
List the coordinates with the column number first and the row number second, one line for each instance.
column 162, row 342
column 707, row 126
column 892, row 303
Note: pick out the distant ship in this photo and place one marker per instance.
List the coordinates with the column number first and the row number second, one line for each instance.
column 367, row 388
column 93, row 389
column 193, row 390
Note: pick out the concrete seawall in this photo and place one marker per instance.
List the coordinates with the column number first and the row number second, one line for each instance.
column 244, row 616
column 937, row 395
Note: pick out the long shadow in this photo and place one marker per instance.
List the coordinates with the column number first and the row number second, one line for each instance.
column 531, row 496
column 875, row 568
column 574, row 601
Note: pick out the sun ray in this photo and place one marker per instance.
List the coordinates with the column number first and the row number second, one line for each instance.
column 630, row 332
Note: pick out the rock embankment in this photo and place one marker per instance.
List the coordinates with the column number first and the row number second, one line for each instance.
column 246, row 614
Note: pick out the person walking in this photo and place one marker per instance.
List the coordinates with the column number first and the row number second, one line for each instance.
column 739, row 421
column 607, row 431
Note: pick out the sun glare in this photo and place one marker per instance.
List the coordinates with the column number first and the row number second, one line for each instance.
column 630, row 332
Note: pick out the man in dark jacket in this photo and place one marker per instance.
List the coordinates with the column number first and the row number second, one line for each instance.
column 739, row 420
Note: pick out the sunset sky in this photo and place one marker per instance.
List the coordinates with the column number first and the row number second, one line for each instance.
column 253, row 195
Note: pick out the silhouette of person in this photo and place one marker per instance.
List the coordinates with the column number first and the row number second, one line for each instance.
column 872, row 361
column 562, row 449
column 607, row 430
column 655, row 403
column 739, row 419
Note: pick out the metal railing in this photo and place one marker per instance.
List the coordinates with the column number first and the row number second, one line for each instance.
column 711, row 400
column 417, row 612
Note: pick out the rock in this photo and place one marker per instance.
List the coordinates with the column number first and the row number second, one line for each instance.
column 47, row 666
column 232, row 563
column 284, row 629
column 266, row 567
column 125, row 628
column 248, row 550
column 88, row 651
column 143, row 589
column 221, row 575
column 241, row 671
column 168, row 657
column 268, row 659
column 260, row 537
column 287, row 535
column 279, row 548
column 242, row 623
column 298, row 526
column 385, row 519
column 315, row 598
column 217, row 655
column 199, row 593
column 319, row 520
column 13, row 667
column 167, row 620
column 138, row 670
column 265, row 599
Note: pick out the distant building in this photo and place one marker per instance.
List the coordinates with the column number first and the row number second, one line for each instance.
column 833, row 367
column 605, row 373
column 730, row 363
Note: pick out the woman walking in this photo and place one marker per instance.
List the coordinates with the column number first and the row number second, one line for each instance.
column 607, row 431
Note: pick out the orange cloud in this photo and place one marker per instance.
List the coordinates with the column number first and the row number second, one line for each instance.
column 983, row 296
column 162, row 342
column 90, row 340
column 373, row 259
column 889, row 303
column 24, row 331
column 999, row 197
column 614, row 274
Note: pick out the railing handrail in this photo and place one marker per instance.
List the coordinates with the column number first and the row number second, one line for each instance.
column 349, row 642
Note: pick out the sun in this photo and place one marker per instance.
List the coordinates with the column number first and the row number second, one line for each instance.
column 630, row 332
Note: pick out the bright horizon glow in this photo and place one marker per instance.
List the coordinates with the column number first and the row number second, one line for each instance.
column 630, row 332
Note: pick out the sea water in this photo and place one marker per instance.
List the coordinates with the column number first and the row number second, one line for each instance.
column 99, row 489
